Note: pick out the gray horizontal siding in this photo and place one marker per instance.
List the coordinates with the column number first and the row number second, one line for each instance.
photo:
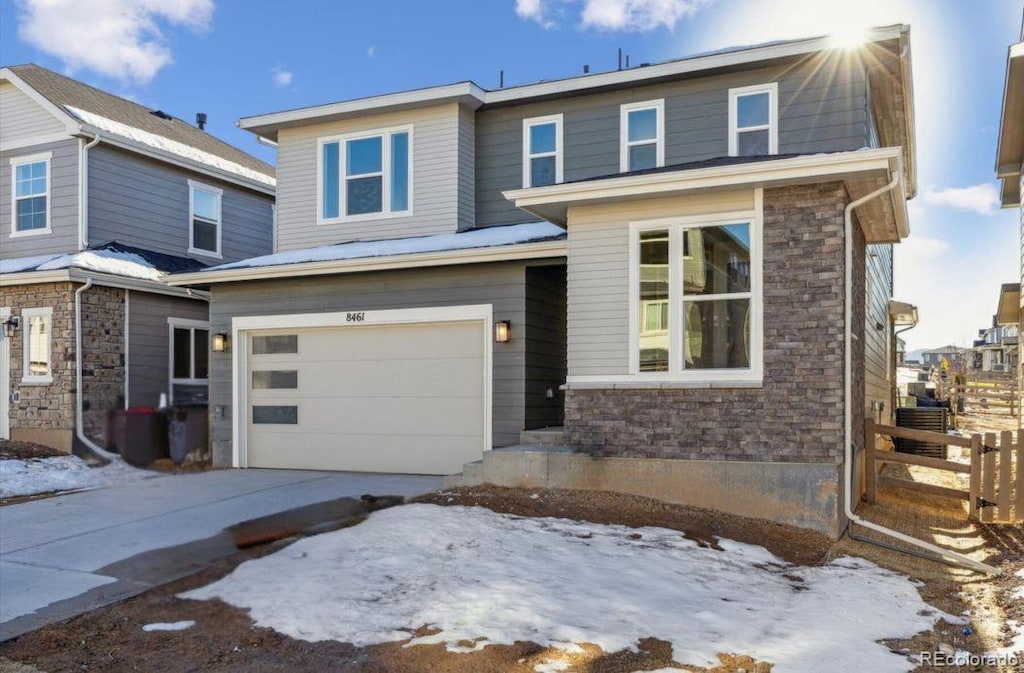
column 822, row 108
column 149, row 342
column 436, row 137
column 63, row 202
column 501, row 285
column 22, row 117
column 877, row 345
column 467, row 168
column 145, row 203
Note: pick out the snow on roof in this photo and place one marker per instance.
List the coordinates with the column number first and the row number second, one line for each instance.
column 477, row 238
column 102, row 261
column 168, row 145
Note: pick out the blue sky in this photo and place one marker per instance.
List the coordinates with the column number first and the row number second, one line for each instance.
column 231, row 59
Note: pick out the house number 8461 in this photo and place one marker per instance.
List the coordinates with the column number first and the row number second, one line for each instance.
column 355, row 317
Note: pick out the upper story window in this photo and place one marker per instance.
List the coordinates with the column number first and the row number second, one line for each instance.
column 642, row 135
column 30, row 178
column 696, row 299
column 542, row 151
column 365, row 176
column 38, row 367
column 204, row 235
column 754, row 120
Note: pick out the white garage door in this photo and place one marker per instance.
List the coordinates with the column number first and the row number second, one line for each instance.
column 404, row 398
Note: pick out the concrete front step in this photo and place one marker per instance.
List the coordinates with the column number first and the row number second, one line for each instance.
column 497, row 460
column 553, row 436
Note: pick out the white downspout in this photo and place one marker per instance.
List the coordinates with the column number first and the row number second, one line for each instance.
column 79, row 392
column 83, row 192
column 959, row 559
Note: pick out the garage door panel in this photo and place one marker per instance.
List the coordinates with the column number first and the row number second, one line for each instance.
column 362, row 453
column 405, row 398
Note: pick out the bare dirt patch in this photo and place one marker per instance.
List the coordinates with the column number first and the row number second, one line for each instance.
column 11, row 450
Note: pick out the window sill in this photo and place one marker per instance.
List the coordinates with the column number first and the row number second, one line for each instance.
column 36, row 381
column 368, row 217
column 637, row 383
column 31, row 232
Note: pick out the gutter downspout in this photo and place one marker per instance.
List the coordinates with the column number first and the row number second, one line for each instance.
column 947, row 555
column 79, row 392
column 83, row 192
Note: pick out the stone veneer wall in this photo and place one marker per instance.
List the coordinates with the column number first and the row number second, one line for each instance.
column 46, row 412
column 797, row 416
column 103, row 361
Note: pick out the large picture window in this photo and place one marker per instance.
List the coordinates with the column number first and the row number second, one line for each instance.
column 365, row 176
column 696, row 301
column 30, row 178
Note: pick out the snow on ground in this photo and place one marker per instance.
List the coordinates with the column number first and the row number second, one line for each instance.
column 167, row 145
column 478, row 238
column 31, row 476
column 172, row 626
column 495, row 578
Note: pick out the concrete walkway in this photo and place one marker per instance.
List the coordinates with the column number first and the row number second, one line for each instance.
column 67, row 555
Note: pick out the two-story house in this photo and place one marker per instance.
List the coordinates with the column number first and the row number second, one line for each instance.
column 1010, row 165
column 100, row 199
column 686, row 264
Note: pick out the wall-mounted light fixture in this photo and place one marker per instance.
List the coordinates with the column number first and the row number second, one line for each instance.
column 219, row 342
column 502, row 331
column 11, row 326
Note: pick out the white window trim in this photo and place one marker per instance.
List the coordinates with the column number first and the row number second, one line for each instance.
column 559, row 147
column 219, row 193
column 386, row 212
column 772, row 89
column 20, row 161
column 754, row 375
column 26, row 315
column 191, row 325
column 624, row 144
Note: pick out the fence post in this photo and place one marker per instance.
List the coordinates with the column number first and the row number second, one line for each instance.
column 870, row 471
column 988, row 477
column 975, row 487
column 1005, row 472
column 1018, row 477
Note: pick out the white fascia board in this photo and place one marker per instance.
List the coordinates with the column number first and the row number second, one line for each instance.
column 432, row 95
column 71, row 125
column 761, row 173
column 104, row 279
column 167, row 157
column 541, row 250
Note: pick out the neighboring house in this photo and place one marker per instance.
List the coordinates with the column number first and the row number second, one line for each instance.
column 101, row 198
column 995, row 350
column 901, row 352
column 934, row 356
column 652, row 257
column 1010, row 161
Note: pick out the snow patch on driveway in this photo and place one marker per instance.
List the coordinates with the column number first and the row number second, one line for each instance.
column 475, row 574
column 31, row 476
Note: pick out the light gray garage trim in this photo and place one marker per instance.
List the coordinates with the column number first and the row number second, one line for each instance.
column 242, row 326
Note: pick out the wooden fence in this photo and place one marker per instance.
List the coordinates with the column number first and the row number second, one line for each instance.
column 995, row 491
column 997, row 392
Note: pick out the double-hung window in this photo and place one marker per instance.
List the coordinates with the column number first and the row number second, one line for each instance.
column 204, row 236
column 38, row 365
column 189, row 360
column 642, row 135
column 695, row 301
column 754, row 120
column 365, row 175
column 542, row 151
column 30, row 178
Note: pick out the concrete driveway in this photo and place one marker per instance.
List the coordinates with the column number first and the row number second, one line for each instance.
column 67, row 555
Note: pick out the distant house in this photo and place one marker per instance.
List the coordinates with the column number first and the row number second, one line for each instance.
column 100, row 199
column 935, row 356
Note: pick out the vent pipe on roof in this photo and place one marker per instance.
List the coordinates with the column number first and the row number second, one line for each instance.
column 201, row 120
column 501, row 79
column 627, row 61
column 620, row 58
column 586, row 69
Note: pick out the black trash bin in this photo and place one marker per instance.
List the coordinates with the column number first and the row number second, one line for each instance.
column 187, row 430
column 145, row 436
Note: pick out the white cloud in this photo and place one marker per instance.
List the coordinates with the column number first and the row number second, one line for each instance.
column 536, row 10
column 281, row 78
column 117, row 38
column 371, row 51
column 982, row 199
column 638, row 15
